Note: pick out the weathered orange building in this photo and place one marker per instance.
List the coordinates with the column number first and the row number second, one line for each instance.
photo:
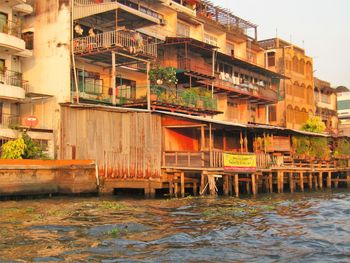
column 296, row 94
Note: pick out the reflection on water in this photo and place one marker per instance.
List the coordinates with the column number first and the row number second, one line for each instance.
column 312, row 227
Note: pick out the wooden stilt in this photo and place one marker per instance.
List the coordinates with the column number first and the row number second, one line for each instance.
column 310, row 181
column 225, row 185
column 282, row 181
column 171, row 188
column 248, row 187
column 316, row 181
column 195, row 188
column 320, row 180
column 329, row 180
column 301, row 181
column 347, row 179
column 182, row 179
column 254, row 185
column 270, row 182
column 230, row 185
column 203, row 184
column 236, row 185
column 291, row 183
column 279, row 190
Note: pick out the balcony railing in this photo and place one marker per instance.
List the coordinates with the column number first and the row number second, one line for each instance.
column 132, row 42
column 128, row 3
column 11, row 28
column 184, row 98
column 260, row 90
column 10, row 120
column 194, row 66
column 12, row 78
column 207, row 159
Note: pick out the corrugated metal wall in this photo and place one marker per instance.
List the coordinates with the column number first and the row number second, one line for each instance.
column 125, row 145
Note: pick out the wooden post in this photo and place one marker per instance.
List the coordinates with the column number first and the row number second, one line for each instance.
column 195, row 188
column 202, row 138
column 310, row 181
column 302, row 181
column 236, row 185
column 329, row 179
column 282, row 181
column 291, row 182
column 320, row 180
column 271, row 182
column 279, row 182
column 225, row 185
column 316, row 181
column 182, row 176
column 202, row 189
column 171, row 187
column 254, row 189
column 148, row 67
column 176, row 186
column 113, row 80
column 347, row 179
column 230, row 185
column 248, row 187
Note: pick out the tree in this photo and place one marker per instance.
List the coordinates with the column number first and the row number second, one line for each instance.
column 314, row 124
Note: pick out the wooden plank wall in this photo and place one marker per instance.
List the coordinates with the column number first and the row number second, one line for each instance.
column 126, row 145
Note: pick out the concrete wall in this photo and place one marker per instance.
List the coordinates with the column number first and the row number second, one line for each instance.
column 29, row 177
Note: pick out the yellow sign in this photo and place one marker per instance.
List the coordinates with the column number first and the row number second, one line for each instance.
column 240, row 162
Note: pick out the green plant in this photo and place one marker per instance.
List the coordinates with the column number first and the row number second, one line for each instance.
column 319, row 147
column 14, row 149
column 301, row 146
column 167, row 76
column 314, row 124
column 190, row 96
column 342, row 148
column 22, row 148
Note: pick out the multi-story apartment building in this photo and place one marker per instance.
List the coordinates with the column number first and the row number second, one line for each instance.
column 326, row 105
column 296, row 94
column 15, row 90
column 343, row 104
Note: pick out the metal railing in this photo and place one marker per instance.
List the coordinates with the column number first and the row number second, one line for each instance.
column 11, row 28
column 182, row 97
column 128, row 3
column 12, row 78
column 10, row 120
column 132, row 42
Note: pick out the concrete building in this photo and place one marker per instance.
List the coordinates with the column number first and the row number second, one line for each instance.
column 15, row 49
column 343, row 104
column 296, row 94
column 326, row 105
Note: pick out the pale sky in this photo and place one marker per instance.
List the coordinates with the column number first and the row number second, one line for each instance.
column 322, row 27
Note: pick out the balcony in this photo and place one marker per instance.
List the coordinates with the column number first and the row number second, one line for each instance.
column 183, row 100
column 10, row 38
column 124, row 41
column 162, row 98
column 85, row 8
column 12, row 85
column 194, row 66
column 9, row 121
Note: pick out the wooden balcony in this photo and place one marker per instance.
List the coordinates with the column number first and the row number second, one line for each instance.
column 115, row 40
column 206, row 160
column 194, row 67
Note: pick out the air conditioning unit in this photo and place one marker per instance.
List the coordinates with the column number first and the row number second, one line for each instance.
column 162, row 22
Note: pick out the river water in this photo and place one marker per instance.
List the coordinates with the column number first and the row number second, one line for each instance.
column 311, row 227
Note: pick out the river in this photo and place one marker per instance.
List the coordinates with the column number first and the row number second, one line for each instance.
column 310, row 227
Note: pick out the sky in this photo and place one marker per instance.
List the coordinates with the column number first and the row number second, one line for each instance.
column 321, row 27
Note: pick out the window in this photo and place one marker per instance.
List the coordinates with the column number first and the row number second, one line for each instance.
column 344, row 105
column 271, row 59
column 209, row 39
column 3, row 23
column 230, row 49
column 183, row 30
column 272, row 113
column 28, row 38
column 295, row 64
column 90, row 82
column 251, row 57
column 43, row 144
column 325, row 98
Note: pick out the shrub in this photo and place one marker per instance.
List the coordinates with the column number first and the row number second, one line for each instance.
column 315, row 124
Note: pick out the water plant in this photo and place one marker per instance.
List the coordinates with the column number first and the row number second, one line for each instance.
column 112, row 205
